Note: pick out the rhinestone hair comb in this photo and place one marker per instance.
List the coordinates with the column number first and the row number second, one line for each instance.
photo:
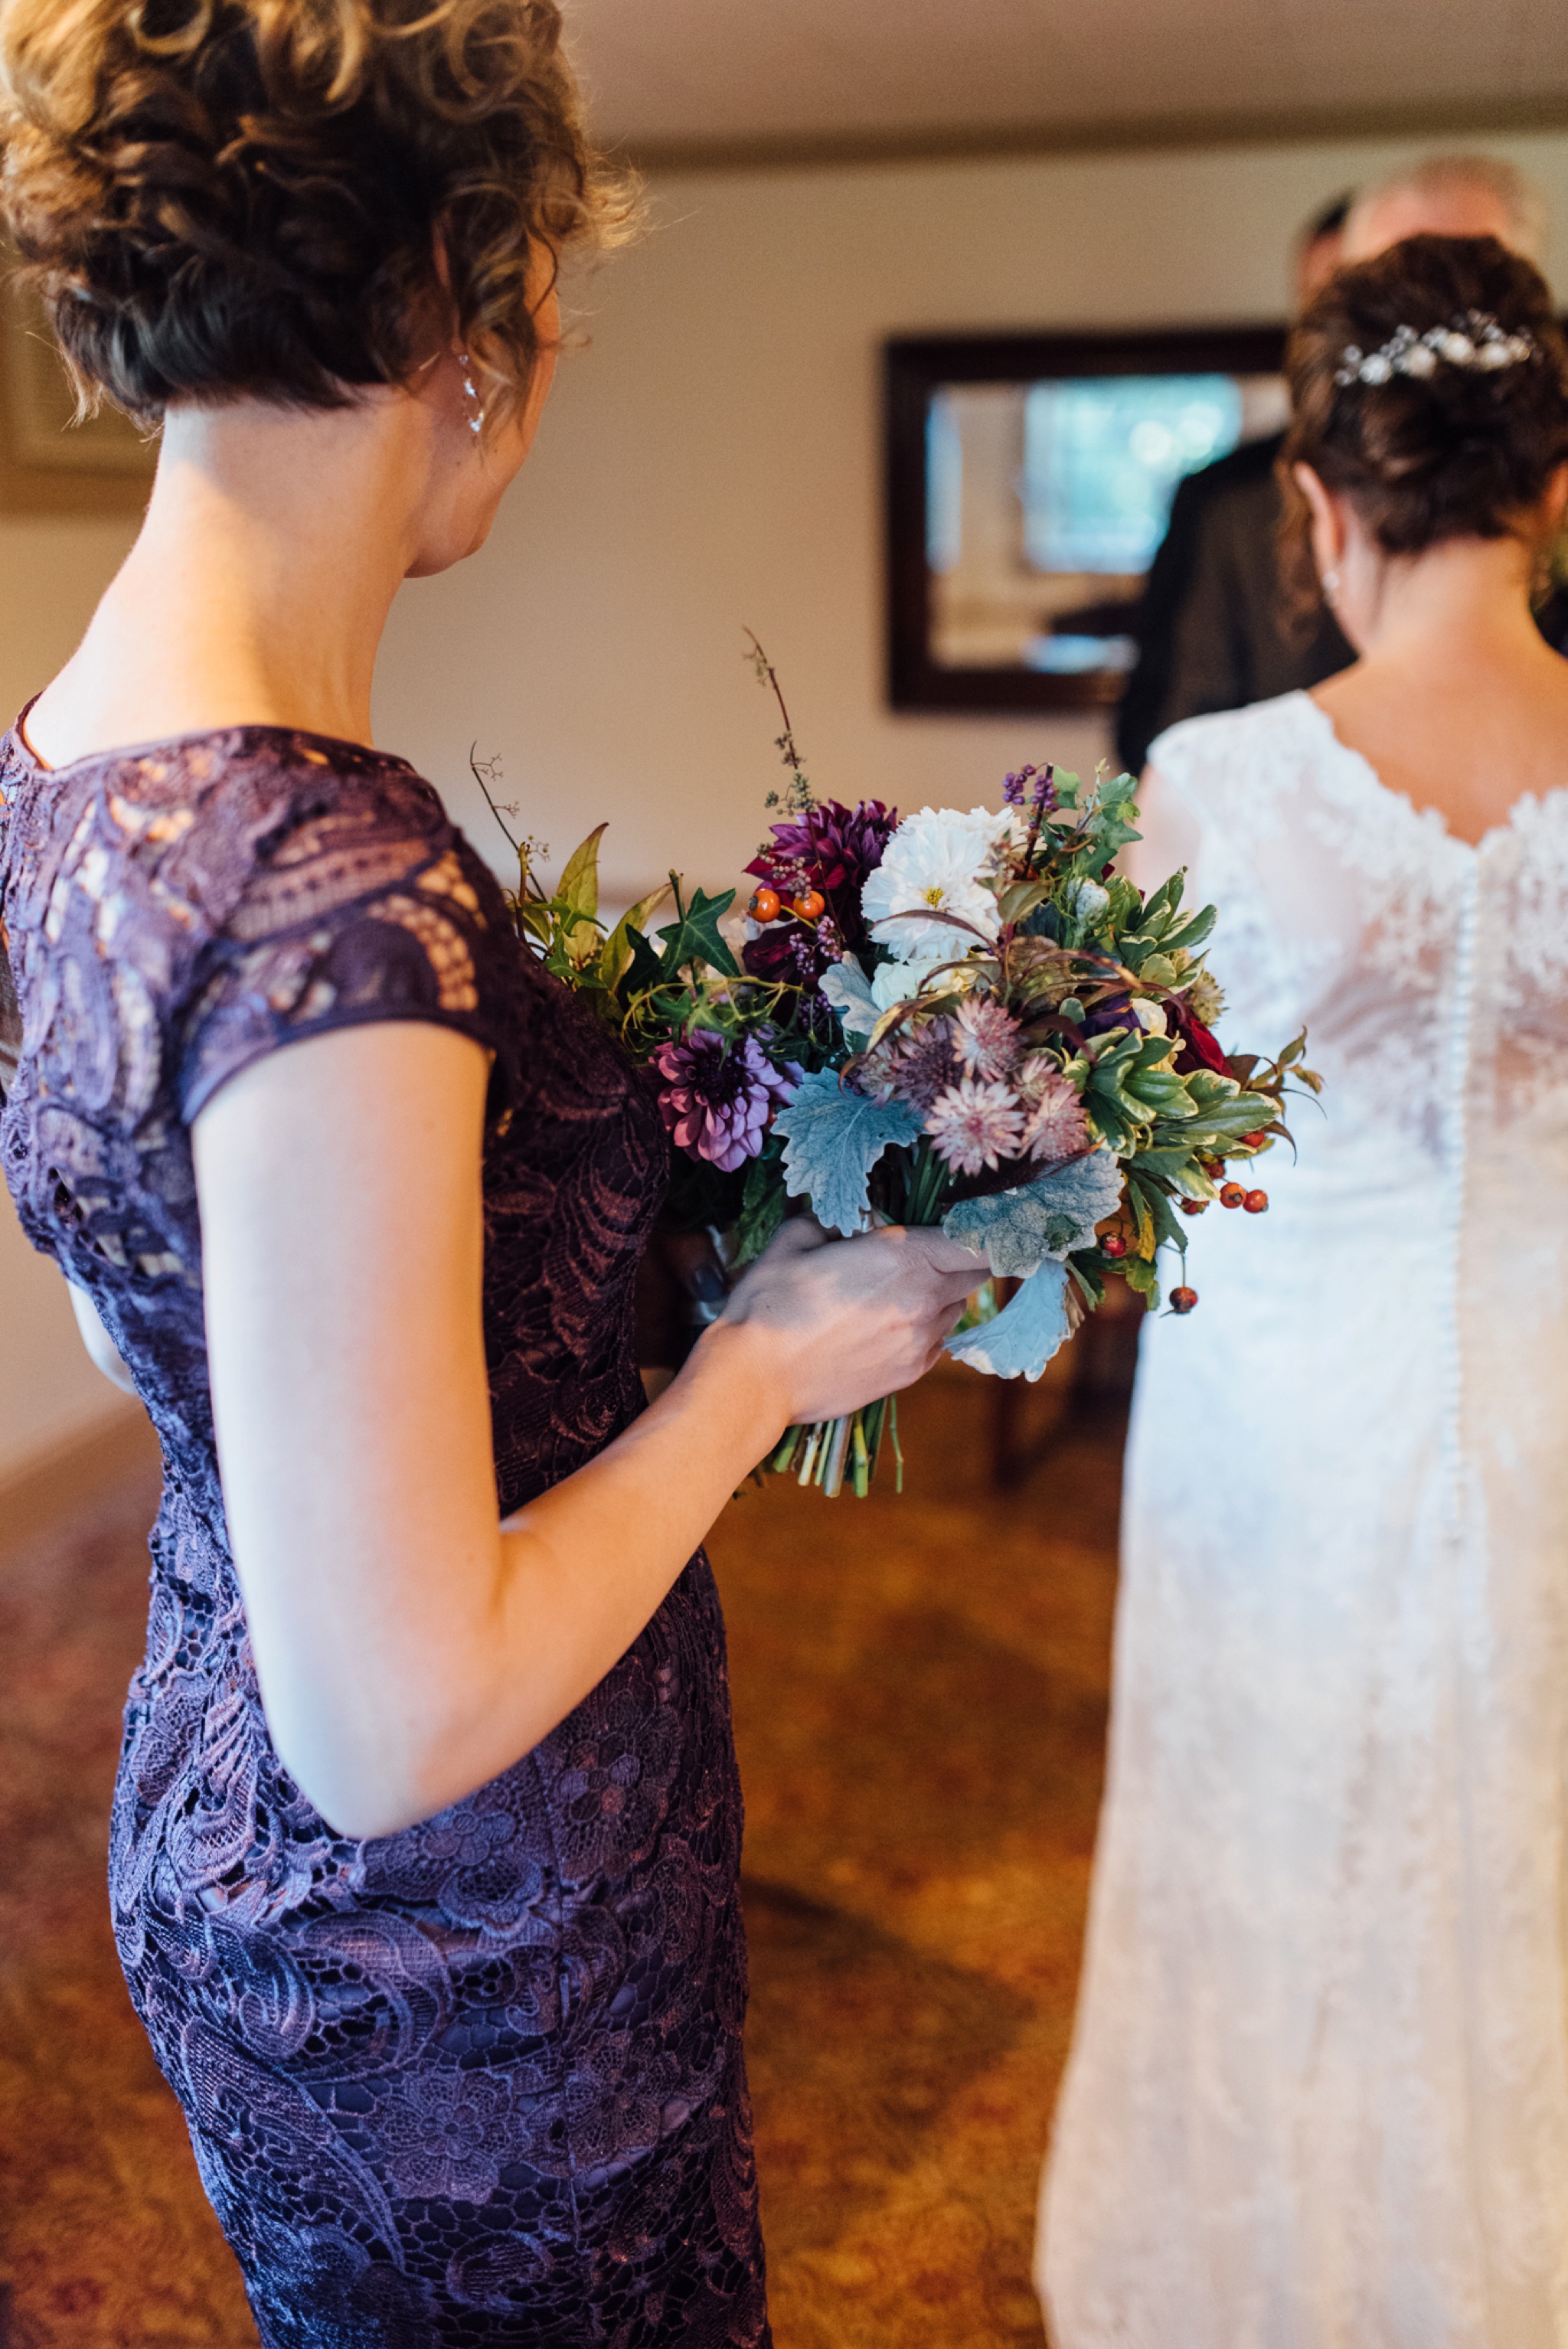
column 1474, row 340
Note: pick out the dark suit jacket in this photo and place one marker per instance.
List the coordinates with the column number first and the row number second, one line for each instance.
column 1213, row 633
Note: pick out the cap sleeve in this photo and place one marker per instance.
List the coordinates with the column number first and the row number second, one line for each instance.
column 366, row 906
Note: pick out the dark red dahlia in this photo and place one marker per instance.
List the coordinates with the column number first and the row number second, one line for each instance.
column 831, row 849
column 1200, row 1047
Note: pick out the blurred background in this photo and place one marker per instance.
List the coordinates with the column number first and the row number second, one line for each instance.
column 824, row 175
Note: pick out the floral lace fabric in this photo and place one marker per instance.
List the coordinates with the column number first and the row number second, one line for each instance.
column 1318, row 2095
column 480, row 2083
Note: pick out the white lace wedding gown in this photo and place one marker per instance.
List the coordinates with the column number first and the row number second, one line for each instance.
column 1318, row 2092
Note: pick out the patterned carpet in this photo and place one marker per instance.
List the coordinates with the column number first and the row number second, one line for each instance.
column 920, row 1692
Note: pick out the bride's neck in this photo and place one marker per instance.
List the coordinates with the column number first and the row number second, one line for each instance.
column 1467, row 599
column 259, row 586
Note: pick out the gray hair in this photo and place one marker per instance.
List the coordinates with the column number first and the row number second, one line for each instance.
column 1439, row 175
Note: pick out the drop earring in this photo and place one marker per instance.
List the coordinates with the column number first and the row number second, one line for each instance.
column 476, row 422
column 1330, row 586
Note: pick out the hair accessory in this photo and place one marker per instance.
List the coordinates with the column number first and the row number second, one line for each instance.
column 1474, row 340
column 477, row 420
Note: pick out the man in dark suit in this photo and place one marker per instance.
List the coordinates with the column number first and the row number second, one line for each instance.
column 1211, row 631
column 1211, row 635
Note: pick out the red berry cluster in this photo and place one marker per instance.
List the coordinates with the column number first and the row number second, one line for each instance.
column 767, row 905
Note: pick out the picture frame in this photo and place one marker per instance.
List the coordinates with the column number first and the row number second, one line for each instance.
column 50, row 463
column 920, row 371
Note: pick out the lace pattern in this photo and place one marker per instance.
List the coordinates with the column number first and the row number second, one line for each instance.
column 1318, row 2094
column 482, row 2081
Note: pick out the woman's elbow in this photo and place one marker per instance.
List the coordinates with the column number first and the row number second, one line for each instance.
column 356, row 1802
column 103, row 1351
column 368, row 1785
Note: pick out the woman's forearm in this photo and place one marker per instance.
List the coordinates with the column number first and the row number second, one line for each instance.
column 407, row 1646
column 583, row 1569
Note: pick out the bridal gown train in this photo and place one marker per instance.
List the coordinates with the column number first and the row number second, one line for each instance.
column 1318, row 2092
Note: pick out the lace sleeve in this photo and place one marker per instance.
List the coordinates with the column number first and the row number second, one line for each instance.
column 10, row 1019
column 366, row 906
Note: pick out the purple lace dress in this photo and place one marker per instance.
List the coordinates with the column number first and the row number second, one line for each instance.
column 480, row 2083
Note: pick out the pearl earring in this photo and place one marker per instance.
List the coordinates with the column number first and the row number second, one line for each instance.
column 1330, row 584
column 476, row 421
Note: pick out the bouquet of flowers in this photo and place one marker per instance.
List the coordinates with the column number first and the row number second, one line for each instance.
column 964, row 1018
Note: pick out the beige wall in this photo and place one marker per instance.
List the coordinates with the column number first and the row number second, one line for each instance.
column 50, row 576
column 712, row 462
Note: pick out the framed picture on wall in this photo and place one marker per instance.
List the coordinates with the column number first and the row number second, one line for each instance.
column 1029, row 483
column 49, row 464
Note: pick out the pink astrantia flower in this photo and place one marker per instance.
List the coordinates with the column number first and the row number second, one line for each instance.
column 986, row 1038
column 716, row 1104
column 974, row 1126
column 913, row 1066
column 1055, row 1126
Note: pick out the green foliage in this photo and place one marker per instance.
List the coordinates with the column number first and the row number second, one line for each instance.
column 762, row 1204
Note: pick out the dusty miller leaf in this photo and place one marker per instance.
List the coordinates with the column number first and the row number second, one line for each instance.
column 832, row 1139
column 1024, row 1334
column 1017, row 1231
column 849, row 990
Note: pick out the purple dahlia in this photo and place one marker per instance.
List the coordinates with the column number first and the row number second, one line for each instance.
column 717, row 1098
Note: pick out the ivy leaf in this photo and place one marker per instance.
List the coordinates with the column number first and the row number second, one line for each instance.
column 695, row 937
column 1017, row 1231
column 578, row 889
column 832, row 1139
column 1026, row 1332
column 645, row 970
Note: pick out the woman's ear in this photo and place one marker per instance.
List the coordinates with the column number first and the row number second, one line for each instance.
column 1554, row 504
column 1328, row 531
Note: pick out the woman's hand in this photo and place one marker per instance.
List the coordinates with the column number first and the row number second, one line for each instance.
column 846, row 1321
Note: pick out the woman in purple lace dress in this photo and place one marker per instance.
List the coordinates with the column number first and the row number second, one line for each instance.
column 427, row 1832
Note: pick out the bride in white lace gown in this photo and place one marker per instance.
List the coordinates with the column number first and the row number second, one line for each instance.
column 1318, row 2094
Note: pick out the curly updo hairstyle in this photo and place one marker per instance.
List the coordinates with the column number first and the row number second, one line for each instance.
column 223, row 199
column 1462, row 453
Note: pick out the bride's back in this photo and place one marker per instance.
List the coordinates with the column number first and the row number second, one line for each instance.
column 1427, row 456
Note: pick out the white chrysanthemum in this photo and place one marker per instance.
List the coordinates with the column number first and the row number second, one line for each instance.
column 934, row 859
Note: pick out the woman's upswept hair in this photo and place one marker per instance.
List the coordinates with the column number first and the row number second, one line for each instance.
column 1460, row 452
column 286, row 199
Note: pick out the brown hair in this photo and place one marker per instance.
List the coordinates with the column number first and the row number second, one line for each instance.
column 1462, row 452
column 227, row 198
